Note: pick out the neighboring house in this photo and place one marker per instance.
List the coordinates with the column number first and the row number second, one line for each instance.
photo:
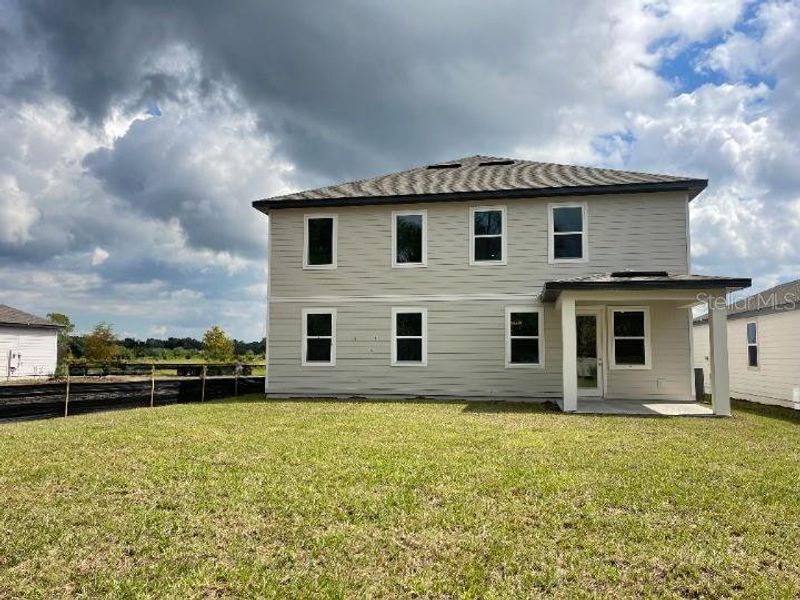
column 763, row 346
column 27, row 344
column 488, row 278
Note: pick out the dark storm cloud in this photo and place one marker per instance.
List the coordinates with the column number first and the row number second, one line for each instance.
column 349, row 88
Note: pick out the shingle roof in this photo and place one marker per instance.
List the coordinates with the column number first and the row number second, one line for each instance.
column 640, row 280
column 782, row 297
column 13, row 316
column 483, row 175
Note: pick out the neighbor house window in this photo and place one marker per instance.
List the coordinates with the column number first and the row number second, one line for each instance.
column 319, row 248
column 567, row 233
column 630, row 341
column 409, row 239
column 752, row 345
column 409, row 336
column 319, row 337
column 523, row 337
column 488, row 235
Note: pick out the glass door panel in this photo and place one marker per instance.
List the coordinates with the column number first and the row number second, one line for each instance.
column 588, row 363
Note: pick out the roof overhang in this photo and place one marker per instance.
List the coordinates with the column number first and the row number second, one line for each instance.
column 553, row 289
column 31, row 325
column 691, row 186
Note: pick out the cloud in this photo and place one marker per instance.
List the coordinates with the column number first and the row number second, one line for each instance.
column 17, row 214
column 99, row 256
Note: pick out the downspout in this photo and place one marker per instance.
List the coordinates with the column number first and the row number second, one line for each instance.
column 690, row 310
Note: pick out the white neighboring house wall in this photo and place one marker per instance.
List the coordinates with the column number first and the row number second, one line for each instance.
column 28, row 351
column 776, row 379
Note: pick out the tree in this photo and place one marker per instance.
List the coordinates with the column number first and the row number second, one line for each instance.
column 217, row 346
column 101, row 344
column 64, row 332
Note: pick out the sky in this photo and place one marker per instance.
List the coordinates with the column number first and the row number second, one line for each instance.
column 135, row 134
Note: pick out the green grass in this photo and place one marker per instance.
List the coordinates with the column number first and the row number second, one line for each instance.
column 254, row 498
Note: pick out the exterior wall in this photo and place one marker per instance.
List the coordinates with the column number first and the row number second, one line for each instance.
column 466, row 304
column 670, row 375
column 636, row 231
column 777, row 376
column 466, row 354
column 36, row 347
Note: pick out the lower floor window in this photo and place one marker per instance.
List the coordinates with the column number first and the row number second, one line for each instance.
column 409, row 336
column 522, row 337
column 630, row 343
column 319, row 337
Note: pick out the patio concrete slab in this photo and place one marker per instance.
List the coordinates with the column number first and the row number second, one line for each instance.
column 642, row 407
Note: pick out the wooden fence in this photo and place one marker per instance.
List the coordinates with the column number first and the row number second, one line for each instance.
column 73, row 397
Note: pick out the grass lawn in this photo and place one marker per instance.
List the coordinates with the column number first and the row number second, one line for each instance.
column 255, row 498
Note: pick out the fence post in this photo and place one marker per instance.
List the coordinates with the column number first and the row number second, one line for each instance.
column 203, row 388
column 66, row 396
column 236, row 380
column 152, row 384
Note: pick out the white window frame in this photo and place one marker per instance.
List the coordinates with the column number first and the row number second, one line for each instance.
column 747, row 341
column 612, row 339
column 405, row 213
column 304, row 336
column 540, row 316
column 334, row 236
column 410, row 309
column 551, row 246
column 503, row 235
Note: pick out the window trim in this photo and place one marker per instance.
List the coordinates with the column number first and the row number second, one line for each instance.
column 334, row 240
column 409, row 309
column 524, row 309
column 304, row 336
column 403, row 213
column 551, row 246
column 612, row 339
column 503, row 236
column 748, row 344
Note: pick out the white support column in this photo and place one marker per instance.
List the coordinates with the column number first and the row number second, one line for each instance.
column 718, row 342
column 569, row 363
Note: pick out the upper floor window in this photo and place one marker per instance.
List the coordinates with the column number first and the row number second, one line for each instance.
column 319, row 337
column 409, row 336
column 488, row 235
column 567, row 233
column 752, row 344
column 523, row 337
column 630, row 340
column 409, row 239
column 319, row 245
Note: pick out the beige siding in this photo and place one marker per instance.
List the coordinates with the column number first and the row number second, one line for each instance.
column 777, row 376
column 36, row 347
column 641, row 232
column 466, row 355
column 670, row 376
column 466, row 304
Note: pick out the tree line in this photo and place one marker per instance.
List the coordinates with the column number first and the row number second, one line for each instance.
column 103, row 346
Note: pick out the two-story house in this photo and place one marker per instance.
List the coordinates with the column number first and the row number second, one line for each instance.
column 490, row 278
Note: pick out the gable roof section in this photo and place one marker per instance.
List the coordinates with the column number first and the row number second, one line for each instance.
column 780, row 298
column 479, row 177
column 18, row 318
